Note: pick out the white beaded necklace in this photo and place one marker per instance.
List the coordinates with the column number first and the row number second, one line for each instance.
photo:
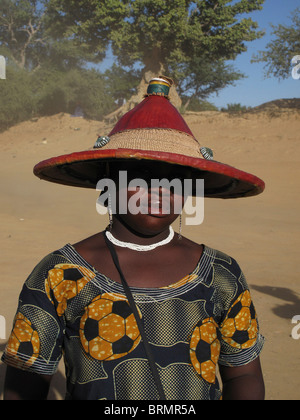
column 136, row 247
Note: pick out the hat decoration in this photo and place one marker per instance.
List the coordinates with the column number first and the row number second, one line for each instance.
column 101, row 142
column 159, row 86
column 153, row 130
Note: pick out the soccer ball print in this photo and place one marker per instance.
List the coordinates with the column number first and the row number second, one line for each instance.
column 205, row 349
column 66, row 281
column 108, row 329
column 24, row 342
column 240, row 328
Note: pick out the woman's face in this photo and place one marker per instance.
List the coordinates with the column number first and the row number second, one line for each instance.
column 150, row 206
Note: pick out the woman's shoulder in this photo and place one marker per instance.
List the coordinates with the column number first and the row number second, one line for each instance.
column 52, row 259
column 221, row 257
column 63, row 257
column 62, row 264
column 225, row 268
column 226, row 271
column 216, row 256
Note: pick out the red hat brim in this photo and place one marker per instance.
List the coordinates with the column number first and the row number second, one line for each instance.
column 85, row 169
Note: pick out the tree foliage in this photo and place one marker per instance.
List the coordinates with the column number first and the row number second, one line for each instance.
column 280, row 51
column 172, row 32
column 205, row 78
column 22, row 33
column 30, row 38
column 176, row 37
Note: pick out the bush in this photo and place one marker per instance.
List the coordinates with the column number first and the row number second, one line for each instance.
column 16, row 101
column 231, row 108
column 196, row 105
column 58, row 91
column 49, row 91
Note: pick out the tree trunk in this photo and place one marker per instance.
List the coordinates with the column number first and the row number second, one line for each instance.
column 185, row 106
column 148, row 74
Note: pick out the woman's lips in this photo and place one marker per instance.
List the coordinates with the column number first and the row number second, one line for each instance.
column 159, row 207
column 156, row 203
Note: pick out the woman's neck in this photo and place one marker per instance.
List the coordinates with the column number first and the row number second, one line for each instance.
column 121, row 231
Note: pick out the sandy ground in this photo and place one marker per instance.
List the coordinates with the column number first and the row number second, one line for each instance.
column 262, row 233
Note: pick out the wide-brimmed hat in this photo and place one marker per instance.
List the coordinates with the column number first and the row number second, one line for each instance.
column 154, row 131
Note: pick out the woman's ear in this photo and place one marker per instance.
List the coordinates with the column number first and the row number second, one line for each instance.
column 106, row 175
column 103, row 202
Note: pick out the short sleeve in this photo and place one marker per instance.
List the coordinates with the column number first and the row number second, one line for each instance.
column 35, row 343
column 241, row 341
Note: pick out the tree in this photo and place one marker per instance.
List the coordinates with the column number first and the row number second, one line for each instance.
column 46, row 70
column 173, row 37
column 121, row 84
column 281, row 50
column 205, row 78
column 162, row 33
column 30, row 39
column 21, row 26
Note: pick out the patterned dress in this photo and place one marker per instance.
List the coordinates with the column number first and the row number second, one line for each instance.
column 68, row 309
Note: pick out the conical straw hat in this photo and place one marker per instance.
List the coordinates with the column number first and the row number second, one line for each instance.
column 154, row 130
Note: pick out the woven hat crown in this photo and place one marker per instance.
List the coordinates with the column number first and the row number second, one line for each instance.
column 155, row 111
column 154, row 124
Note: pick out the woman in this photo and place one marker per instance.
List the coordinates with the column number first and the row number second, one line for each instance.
column 138, row 311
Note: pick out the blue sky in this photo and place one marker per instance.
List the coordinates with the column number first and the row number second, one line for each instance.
column 256, row 89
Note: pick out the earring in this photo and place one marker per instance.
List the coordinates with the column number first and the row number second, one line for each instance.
column 110, row 213
column 180, row 228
